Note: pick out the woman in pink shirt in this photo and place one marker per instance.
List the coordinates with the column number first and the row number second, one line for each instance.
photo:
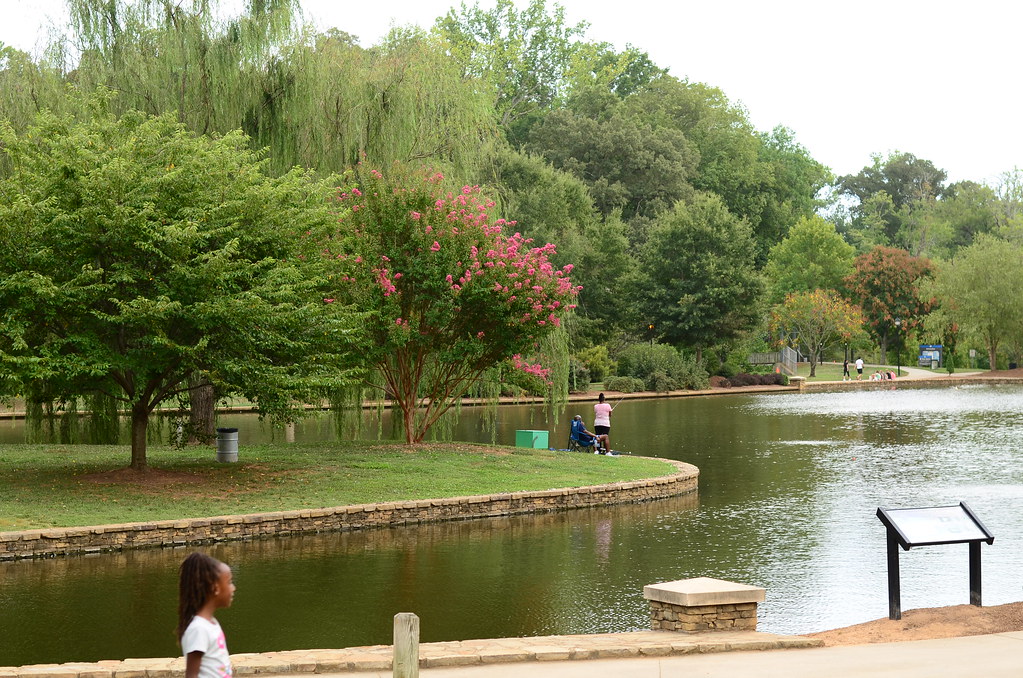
column 602, row 421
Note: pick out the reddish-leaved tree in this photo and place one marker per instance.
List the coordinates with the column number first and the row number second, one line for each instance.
column 886, row 285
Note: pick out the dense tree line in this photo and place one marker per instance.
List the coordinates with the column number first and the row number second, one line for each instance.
column 684, row 223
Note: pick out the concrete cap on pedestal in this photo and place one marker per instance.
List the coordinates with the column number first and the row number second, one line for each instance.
column 703, row 591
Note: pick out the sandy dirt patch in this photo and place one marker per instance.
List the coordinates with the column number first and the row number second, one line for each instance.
column 928, row 623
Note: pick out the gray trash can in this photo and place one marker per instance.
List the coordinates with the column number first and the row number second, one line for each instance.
column 227, row 444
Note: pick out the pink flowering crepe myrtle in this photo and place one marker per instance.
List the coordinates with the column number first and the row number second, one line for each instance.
column 450, row 292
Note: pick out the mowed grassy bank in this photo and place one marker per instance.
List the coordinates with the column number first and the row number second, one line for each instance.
column 71, row 485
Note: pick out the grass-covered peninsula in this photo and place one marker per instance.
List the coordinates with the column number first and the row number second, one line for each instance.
column 73, row 485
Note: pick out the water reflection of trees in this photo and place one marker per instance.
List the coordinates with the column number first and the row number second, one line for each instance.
column 523, row 575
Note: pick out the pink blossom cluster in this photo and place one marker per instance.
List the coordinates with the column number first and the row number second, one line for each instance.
column 506, row 274
column 521, row 274
column 510, row 266
column 385, row 280
column 531, row 368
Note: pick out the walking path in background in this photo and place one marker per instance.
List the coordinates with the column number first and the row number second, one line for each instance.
column 907, row 373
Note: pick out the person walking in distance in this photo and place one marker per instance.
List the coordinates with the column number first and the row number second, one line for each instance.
column 602, row 422
column 845, row 370
column 859, row 369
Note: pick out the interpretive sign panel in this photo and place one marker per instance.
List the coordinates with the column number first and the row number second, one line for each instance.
column 931, row 526
column 935, row 525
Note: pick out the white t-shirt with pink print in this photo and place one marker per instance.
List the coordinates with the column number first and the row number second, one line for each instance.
column 206, row 636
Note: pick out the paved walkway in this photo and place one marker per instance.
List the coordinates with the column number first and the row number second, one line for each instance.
column 974, row 656
column 376, row 659
column 641, row 654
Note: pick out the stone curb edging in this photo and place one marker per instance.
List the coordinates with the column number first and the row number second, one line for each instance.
column 910, row 382
column 96, row 539
column 453, row 653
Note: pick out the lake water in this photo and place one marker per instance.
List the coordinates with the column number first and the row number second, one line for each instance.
column 789, row 488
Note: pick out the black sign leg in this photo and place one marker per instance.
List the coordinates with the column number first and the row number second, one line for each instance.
column 894, row 591
column 975, row 573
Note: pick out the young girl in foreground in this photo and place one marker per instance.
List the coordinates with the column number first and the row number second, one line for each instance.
column 204, row 587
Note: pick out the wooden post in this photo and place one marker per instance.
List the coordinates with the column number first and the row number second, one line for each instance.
column 406, row 645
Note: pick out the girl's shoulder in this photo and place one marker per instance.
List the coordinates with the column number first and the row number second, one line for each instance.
column 204, row 623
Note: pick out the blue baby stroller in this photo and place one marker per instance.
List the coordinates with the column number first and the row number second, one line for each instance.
column 579, row 440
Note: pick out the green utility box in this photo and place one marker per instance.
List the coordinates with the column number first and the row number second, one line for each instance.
column 535, row 439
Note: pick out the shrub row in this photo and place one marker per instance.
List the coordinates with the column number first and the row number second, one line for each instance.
column 662, row 368
column 770, row 379
column 625, row 384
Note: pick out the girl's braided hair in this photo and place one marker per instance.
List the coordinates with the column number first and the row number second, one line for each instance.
column 199, row 574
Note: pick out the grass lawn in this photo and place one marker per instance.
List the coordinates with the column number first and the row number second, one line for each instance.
column 833, row 371
column 68, row 485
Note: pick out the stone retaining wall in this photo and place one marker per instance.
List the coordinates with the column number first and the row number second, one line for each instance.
column 96, row 539
column 910, row 382
column 668, row 617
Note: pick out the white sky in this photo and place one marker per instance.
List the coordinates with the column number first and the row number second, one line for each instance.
column 937, row 78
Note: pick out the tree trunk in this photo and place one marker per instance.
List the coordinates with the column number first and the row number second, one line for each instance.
column 992, row 355
column 408, row 417
column 884, row 350
column 139, row 428
column 813, row 364
column 202, row 413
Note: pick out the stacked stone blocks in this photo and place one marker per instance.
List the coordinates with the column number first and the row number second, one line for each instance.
column 703, row 604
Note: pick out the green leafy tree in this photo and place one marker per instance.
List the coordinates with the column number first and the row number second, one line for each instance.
column 554, row 206
column 922, row 230
column 817, row 319
column 886, row 285
column 726, row 144
column 792, row 190
column 768, row 179
column 812, row 256
column 699, row 286
column 599, row 65
column 449, row 295
column 628, row 165
column 940, row 323
column 979, row 290
column 904, row 178
column 138, row 255
column 965, row 211
column 1009, row 190
column 523, row 54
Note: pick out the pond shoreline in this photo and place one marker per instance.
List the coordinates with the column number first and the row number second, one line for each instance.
column 63, row 541
column 1014, row 378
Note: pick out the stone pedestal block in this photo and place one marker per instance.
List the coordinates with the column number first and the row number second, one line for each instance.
column 703, row 604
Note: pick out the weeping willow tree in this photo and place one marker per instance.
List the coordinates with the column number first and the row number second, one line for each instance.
column 173, row 55
column 403, row 101
column 27, row 86
column 315, row 100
